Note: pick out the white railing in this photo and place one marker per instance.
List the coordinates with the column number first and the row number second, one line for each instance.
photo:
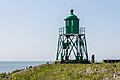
column 63, row 30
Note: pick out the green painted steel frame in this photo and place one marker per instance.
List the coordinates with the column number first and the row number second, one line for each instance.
column 76, row 44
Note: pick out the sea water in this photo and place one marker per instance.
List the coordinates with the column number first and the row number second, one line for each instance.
column 9, row 66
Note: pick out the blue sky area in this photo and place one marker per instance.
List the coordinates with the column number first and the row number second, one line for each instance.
column 29, row 28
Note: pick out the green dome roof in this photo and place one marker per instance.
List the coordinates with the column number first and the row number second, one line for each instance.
column 71, row 16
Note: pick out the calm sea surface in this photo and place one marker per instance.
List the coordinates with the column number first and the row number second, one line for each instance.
column 9, row 66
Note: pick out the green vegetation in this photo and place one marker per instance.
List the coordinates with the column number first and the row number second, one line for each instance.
column 102, row 71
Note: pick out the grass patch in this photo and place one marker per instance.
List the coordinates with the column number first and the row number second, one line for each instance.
column 102, row 71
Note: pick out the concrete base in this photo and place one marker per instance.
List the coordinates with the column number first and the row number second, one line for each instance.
column 74, row 61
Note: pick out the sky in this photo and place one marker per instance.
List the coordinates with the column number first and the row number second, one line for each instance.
column 29, row 28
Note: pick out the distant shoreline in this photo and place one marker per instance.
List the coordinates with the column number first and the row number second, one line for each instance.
column 9, row 66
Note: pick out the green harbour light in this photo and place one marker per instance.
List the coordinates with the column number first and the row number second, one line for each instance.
column 72, row 41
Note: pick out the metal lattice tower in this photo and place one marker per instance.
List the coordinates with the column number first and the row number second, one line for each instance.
column 72, row 41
